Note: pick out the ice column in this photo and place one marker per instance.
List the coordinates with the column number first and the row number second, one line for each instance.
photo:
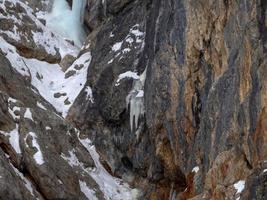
column 66, row 21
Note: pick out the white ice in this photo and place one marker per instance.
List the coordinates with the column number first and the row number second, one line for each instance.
column 136, row 100
column 68, row 22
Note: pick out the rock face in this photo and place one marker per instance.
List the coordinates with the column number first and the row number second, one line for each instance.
column 202, row 119
column 172, row 93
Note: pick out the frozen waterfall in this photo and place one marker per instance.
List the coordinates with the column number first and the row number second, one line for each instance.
column 66, row 21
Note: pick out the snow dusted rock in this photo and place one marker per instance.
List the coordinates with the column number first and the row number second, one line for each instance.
column 20, row 27
column 45, row 150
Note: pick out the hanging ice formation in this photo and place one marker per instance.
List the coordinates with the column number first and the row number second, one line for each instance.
column 136, row 101
column 66, row 21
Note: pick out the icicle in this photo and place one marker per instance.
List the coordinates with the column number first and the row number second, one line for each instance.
column 78, row 7
column 136, row 101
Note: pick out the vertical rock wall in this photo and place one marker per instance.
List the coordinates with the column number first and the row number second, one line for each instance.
column 204, row 127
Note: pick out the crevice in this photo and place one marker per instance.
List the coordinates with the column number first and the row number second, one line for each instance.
column 20, row 167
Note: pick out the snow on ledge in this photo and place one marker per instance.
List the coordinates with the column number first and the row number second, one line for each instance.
column 239, row 186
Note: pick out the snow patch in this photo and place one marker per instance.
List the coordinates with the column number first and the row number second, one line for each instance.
column 128, row 74
column 89, row 93
column 72, row 159
column 112, row 187
column 117, row 46
column 89, row 193
column 41, row 106
column 27, row 183
column 28, row 114
column 195, row 169
column 13, row 138
column 239, row 186
column 38, row 156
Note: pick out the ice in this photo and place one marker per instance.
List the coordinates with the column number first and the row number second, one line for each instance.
column 239, row 186
column 136, row 101
column 38, row 156
column 89, row 193
column 68, row 22
column 28, row 114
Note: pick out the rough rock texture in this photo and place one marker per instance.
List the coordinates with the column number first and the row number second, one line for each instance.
column 204, row 95
column 54, row 177
column 175, row 101
column 18, row 27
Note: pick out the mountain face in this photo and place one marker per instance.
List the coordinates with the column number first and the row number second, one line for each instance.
column 164, row 100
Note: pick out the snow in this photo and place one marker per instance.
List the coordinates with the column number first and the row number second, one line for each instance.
column 68, row 22
column 195, row 169
column 128, row 74
column 42, row 35
column 13, row 138
column 140, row 94
column 41, row 106
column 117, row 46
column 53, row 78
column 239, row 186
column 89, row 193
column 12, row 112
column 13, row 109
column 112, row 187
column 28, row 114
column 38, row 156
column 110, row 61
column 72, row 159
column 27, row 183
column 89, row 93
column 47, row 128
